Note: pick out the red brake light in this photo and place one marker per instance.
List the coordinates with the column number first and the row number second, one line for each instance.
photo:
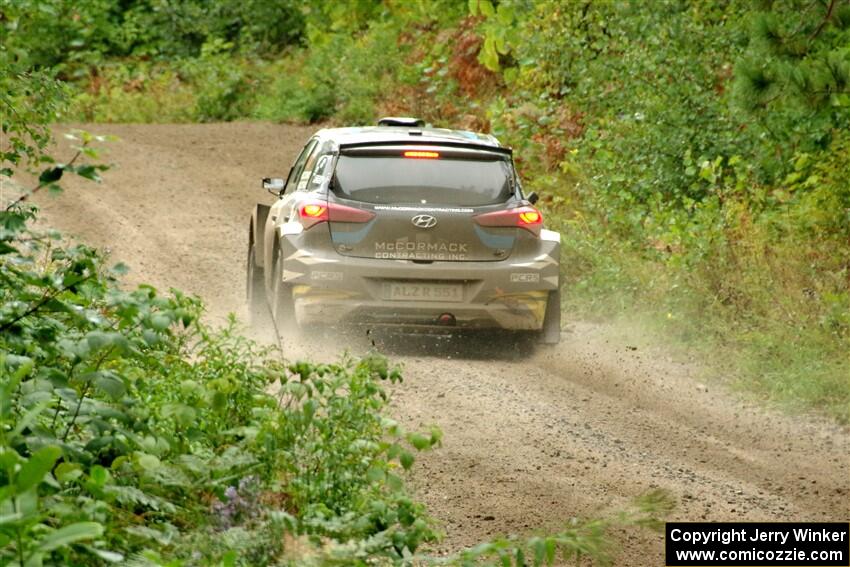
column 313, row 211
column 528, row 218
column 311, row 214
column 421, row 154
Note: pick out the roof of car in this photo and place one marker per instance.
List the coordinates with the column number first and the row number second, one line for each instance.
column 379, row 135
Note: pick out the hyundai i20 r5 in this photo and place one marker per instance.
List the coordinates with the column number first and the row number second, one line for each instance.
column 402, row 225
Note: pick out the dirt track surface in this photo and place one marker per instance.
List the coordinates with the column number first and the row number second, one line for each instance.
column 577, row 430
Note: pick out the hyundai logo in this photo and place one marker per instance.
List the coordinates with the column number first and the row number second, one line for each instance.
column 423, row 221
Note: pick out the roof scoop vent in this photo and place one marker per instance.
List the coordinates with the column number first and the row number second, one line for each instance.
column 404, row 121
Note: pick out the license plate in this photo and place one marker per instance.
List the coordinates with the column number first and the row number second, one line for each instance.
column 423, row 292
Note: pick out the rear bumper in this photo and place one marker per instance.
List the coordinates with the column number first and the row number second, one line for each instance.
column 516, row 312
column 330, row 289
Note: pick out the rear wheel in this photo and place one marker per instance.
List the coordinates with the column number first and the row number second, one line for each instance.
column 551, row 332
column 255, row 293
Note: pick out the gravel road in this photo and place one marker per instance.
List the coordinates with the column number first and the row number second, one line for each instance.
column 576, row 430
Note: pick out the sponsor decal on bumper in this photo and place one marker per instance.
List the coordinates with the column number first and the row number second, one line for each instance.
column 525, row 277
column 326, row 276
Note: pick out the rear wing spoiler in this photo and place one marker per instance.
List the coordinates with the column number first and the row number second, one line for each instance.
column 345, row 148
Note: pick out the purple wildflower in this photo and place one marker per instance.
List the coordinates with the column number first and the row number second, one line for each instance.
column 240, row 503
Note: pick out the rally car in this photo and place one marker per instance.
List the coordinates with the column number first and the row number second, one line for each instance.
column 408, row 227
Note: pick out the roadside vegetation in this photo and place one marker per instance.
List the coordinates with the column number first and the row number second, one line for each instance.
column 692, row 154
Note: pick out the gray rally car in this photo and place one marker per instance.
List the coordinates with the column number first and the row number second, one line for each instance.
column 408, row 226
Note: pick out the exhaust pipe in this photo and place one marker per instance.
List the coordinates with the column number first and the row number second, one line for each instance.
column 447, row 320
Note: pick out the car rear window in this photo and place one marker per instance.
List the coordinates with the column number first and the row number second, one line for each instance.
column 396, row 179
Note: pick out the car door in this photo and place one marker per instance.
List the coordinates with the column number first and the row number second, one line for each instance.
column 281, row 210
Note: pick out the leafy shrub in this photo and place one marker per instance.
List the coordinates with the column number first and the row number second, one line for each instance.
column 129, row 426
column 75, row 37
column 298, row 93
column 137, row 93
column 213, row 87
column 224, row 87
column 29, row 102
column 329, row 79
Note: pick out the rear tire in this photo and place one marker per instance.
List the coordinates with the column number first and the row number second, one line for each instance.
column 255, row 293
column 551, row 332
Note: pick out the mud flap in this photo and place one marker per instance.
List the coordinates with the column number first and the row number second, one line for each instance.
column 282, row 303
column 551, row 332
column 259, row 315
column 258, row 226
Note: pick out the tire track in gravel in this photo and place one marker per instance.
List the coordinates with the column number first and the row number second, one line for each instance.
column 580, row 429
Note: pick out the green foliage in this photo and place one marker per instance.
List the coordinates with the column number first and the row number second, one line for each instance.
column 28, row 102
column 127, row 424
column 499, row 30
column 329, row 81
column 179, row 63
column 138, row 92
column 76, row 37
column 356, row 51
column 305, row 95
column 683, row 149
column 794, row 78
column 225, row 91
column 151, row 60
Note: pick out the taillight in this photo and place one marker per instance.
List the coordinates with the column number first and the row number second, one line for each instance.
column 528, row 218
column 420, row 154
column 311, row 214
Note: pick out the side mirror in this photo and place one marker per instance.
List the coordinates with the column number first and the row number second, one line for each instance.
column 274, row 185
column 533, row 197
